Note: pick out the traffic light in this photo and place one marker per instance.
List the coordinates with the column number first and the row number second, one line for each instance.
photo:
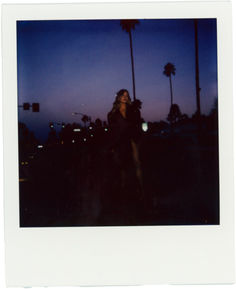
column 51, row 125
column 35, row 107
column 26, row 106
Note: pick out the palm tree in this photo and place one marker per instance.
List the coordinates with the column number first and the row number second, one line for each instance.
column 98, row 122
column 174, row 114
column 169, row 69
column 85, row 119
column 128, row 25
column 214, row 109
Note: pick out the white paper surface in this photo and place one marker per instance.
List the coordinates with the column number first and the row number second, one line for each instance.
column 118, row 255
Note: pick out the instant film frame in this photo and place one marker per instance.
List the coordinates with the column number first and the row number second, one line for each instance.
column 74, row 256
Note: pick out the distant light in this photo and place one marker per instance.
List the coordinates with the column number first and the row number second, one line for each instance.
column 22, row 163
column 26, row 163
column 106, row 129
column 90, row 127
column 40, row 146
column 62, row 142
column 91, row 135
column 76, row 129
column 144, row 126
column 73, row 140
column 84, row 139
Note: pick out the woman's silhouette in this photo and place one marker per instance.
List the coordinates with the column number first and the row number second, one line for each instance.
column 125, row 122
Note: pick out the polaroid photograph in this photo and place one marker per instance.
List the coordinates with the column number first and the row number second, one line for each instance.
column 118, row 146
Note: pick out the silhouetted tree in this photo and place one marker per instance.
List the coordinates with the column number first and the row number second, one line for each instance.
column 174, row 114
column 85, row 119
column 105, row 124
column 92, row 125
column 128, row 25
column 184, row 118
column 52, row 137
column 27, row 140
column 214, row 110
column 65, row 135
column 163, row 124
column 213, row 116
column 98, row 122
column 169, row 69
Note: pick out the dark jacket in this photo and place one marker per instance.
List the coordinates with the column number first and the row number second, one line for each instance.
column 123, row 130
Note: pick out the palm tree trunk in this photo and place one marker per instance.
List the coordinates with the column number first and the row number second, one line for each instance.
column 171, row 103
column 171, row 92
column 132, row 63
column 197, row 69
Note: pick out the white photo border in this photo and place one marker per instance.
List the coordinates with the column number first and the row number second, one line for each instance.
column 72, row 256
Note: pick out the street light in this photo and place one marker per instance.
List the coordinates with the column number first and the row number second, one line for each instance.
column 84, row 115
column 144, row 126
column 52, row 124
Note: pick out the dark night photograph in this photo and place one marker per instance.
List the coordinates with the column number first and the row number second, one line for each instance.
column 118, row 122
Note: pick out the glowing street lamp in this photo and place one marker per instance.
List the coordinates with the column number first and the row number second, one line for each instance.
column 144, row 126
column 51, row 125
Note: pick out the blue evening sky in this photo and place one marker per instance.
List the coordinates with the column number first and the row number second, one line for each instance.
column 79, row 65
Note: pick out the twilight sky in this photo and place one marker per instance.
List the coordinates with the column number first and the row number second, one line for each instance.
column 79, row 65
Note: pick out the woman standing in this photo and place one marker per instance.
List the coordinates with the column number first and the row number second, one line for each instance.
column 125, row 122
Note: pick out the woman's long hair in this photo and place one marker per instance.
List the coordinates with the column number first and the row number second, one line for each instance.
column 116, row 103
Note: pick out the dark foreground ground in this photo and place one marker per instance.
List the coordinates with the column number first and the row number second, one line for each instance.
column 77, row 186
